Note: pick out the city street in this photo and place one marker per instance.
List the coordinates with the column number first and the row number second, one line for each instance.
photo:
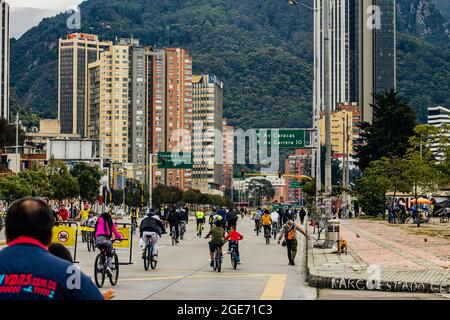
column 183, row 272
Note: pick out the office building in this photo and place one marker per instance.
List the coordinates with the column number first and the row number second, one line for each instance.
column 76, row 52
column 363, row 52
column 439, row 117
column 228, row 154
column 108, row 102
column 207, row 101
column 4, row 60
column 298, row 164
column 345, row 129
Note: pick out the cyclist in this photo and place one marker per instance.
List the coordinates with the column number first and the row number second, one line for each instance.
column 83, row 213
column 200, row 218
column 266, row 222
column 257, row 218
column 217, row 234
column 213, row 217
column 275, row 219
column 234, row 238
column 134, row 217
column 151, row 226
column 91, row 220
column 184, row 217
column 232, row 218
column 174, row 220
column 104, row 228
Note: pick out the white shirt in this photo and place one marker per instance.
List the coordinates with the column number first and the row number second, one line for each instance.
column 275, row 216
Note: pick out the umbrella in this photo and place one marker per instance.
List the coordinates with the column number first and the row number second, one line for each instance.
column 421, row 201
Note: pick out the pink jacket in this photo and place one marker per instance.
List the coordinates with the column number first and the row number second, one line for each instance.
column 101, row 229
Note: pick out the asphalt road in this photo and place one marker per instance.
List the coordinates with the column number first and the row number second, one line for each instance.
column 183, row 271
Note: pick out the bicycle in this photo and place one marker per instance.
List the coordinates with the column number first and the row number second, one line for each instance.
column 200, row 229
column 134, row 226
column 217, row 266
column 90, row 240
column 182, row 226
column 101, row 266
column 173, row 235
column 275, row 230
column 234, row 256
column 258, row 228
column 148, row 255
column 267, row 235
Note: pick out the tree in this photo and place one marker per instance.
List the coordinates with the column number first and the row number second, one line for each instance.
column 259, row 189
column 388, row 135
column 13, row 188
column 64, row 185
column 191, row 196
column 89, row 180
column 166, row 195
column 38, row 179
column 423, row 176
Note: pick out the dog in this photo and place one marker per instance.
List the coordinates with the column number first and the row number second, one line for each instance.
column 342, row 246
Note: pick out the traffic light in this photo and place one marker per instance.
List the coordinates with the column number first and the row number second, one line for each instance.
column 279, row 174
column 243, row 173
column 163, row 160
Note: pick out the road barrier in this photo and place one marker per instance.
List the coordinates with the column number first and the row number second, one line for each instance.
column 65, row 233
column 125, row 230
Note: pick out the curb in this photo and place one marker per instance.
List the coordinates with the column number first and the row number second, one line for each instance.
column 349, row 283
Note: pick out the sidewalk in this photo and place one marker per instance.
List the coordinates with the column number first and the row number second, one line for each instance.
column 381, row 257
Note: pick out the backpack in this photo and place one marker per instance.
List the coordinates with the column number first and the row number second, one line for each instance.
column 291, row 233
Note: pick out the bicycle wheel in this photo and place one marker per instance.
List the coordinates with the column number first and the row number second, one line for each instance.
column 174, row 237
column 147, row 257
column 234, row 259
column 99, row 270
column 219, row 261
column 89, row 243
column 153, row 263
column 114, row 270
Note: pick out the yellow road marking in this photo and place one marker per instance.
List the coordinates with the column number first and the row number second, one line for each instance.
column 216, row 276
column 274, row 288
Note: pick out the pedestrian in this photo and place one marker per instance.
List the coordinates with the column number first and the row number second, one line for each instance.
column 63, row 213
column 289, row 232
column 302, row 215
column 28, row 231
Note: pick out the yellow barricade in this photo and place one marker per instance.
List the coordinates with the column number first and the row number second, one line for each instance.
column 2, row 243
column 124, row 244
column 64, row 235
column 86, row 229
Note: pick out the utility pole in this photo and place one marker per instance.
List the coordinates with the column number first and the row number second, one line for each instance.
column 328, row 107
column 17, row 143
column 150, row 181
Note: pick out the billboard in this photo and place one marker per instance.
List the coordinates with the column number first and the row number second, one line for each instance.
column 74, row 149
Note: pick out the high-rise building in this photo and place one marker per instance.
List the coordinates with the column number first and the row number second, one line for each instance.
column 345, row 129
column 4, row 60
column 228, row 154
column 108, row 96
column 363, row 52
column 207, row 99
column 76, row 52
column 178, row 117
column 438, row 117
column 298, row 164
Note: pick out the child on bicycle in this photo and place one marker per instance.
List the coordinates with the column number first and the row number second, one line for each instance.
column 234, row 238
column 217, row 234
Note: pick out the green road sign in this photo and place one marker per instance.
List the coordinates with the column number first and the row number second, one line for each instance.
column 296, row 185
column 287, row 138
column 169, row 160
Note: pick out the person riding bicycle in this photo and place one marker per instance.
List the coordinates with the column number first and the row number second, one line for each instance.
column 200, row 218
column 134, row 217
column 91, row 220
column 257, row 218
column 104, row 229
column 234, row 238
column 266, row 222
column 217, row 234
column 84, row 213
column 151, row 226
column 223, row 213
column 213, row 217
column 232, row 218
column 275, row 220
column 174, row 220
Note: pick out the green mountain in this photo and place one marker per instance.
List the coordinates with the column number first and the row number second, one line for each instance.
column 261, row 50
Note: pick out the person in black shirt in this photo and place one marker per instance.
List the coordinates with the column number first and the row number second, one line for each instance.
column 174, row 219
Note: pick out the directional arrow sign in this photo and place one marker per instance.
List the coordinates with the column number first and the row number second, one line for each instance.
column 174, row 160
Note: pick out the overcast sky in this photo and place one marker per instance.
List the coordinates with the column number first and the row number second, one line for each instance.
column 44, row 4
column 26, row 14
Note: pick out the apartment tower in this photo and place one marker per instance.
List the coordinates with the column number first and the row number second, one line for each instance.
column 76, row 52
